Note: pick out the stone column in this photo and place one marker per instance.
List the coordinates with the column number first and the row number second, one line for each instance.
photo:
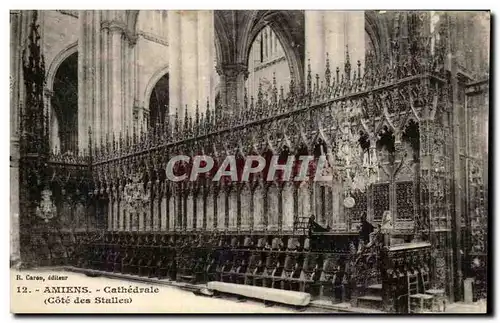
column 189, row 66
column 115, row 77
column 89, row 78
column 335, row 25
column 355, row 34
column 174, row 61
column 105, row 75
column 137, row 113
column 131, row 77
column 93, row 76
column 82, row 88
column 205, row 57
column 123, row 80
column 333, row 32
column 128, row 79
column 89, row 74
column 315, row 42
column 97, row 81
column 232, row 85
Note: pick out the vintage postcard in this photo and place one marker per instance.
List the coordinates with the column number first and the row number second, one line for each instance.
column 249, row 161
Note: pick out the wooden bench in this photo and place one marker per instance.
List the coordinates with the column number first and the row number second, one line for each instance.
column 264, row 293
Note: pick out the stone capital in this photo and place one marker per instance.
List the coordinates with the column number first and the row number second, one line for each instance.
column 116, row 26
column 232, row 70
column 132, row 39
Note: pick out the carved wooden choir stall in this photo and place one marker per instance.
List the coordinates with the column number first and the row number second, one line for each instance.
column 382, row 128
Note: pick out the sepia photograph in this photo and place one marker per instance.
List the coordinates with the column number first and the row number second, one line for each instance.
column 250, row 161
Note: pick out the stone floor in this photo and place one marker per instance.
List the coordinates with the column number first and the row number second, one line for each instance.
column 342, row 307
column 461, row 307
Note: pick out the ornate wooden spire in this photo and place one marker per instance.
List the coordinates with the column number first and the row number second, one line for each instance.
column 33, row 115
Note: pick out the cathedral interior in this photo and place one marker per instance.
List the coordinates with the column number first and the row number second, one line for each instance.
column 398, row 102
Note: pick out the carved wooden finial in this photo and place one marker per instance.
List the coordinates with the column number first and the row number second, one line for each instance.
column 347, row 66
column 328, row 73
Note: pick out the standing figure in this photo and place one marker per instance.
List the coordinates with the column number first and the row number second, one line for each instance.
column 366, row 229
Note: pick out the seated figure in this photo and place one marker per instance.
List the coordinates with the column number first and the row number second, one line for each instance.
column 315, row 227
column 366, row 228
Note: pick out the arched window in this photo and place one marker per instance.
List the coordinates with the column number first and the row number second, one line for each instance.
column 65, row 106
column 261, row 48
column 264, row 66
column 158, row 102
column 276, row 45
column 266, row 45
column 271, row 43
column 369, row 46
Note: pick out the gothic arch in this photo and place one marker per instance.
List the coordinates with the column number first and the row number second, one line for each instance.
column 378, row 32
column 151, row 84
column 222, row 40
column 57, row 61
column 55, row 113
column 64, row 105
column 289, row 29
column 158, row 101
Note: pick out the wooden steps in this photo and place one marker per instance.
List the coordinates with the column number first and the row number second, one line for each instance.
column 373, row 297
column 374, row 290
column 369, row 301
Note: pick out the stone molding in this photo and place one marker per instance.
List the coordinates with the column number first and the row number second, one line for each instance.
column 72, row 13
column 269, row 63
column 153, row 38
